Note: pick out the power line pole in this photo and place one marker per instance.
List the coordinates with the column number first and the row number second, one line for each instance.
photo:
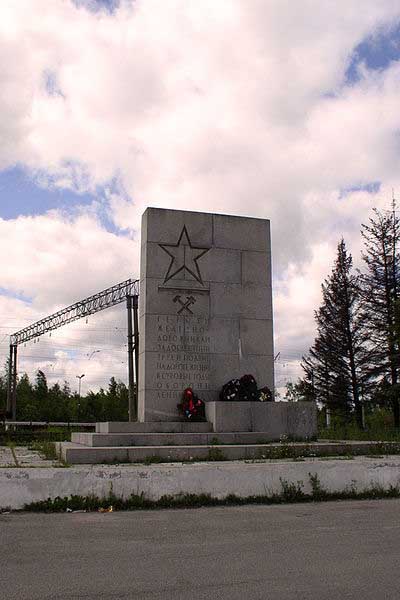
column 9, row 382
column 131, row 378
column 14, row 384
column 79, row 393
column 135, row 300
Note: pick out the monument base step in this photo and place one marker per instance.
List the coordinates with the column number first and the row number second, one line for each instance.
column 73, row 453
column 153, row 427
column 171, row 439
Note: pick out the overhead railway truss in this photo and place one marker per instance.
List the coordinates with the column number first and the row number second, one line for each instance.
column 126, row 291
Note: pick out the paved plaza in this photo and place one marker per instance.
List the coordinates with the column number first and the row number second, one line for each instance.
column 22, row 456
column 332, row 551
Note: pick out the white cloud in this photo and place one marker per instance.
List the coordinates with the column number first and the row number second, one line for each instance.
column 56, row 260
column 225, row 106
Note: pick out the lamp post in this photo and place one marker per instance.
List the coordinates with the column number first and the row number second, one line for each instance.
column 79, row 393
column 92, row 353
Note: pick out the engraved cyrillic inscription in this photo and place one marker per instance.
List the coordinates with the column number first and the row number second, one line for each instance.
column 183, row 347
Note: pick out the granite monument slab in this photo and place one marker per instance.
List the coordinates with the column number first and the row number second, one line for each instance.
column 205, row 306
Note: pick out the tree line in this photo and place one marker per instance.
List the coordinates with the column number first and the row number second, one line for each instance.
column 37, row 401
column 353, row 364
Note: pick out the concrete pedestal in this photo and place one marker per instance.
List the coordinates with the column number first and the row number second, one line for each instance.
column 235, row 430
column 297, row 420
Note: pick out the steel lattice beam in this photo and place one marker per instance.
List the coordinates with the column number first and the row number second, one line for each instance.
column 93, row 304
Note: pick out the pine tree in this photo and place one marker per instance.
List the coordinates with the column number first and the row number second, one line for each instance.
column 56, row 403
column 42, row 395
column 28, row 408
column 380, row 290
column 67, row 414
column 336, row 367
column 116, row 401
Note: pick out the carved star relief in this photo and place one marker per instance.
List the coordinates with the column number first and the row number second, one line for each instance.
column 184, row 257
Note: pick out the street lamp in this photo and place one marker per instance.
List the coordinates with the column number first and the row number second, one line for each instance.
column 79, row 392
column 80, row 380
column 91, row 353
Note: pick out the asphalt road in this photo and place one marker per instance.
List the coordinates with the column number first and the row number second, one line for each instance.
column 306, row 551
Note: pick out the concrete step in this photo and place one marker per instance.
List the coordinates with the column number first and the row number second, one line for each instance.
column 169, row 439
column 153, row 427
column 78, row 454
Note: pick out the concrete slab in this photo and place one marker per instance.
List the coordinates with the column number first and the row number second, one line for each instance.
column 79, row 454
column 6, row 457
column 32, row 458
column 234, row 300
column 301, row 420
column 224, row 335
column 169, row 439
column 244, row 233
column 253, row 333
column 229, row 416
column 22, row 456
column 219, row 479
column 159, row 225
column 152, row 427
column 256, row 268
column 270, row 418
column 222, row 265
column 273, row 417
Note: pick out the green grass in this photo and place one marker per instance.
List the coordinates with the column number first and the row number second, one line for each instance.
column 23, row 436
column 46, row 449
column 379, row 427
column 352, row 432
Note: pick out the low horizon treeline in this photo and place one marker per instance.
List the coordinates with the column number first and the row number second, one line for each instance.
column 354, row 362
column 37, row 401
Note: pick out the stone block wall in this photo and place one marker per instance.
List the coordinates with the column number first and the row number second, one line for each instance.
column 205, row 308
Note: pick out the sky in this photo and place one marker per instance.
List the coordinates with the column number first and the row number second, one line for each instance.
column 267, row 108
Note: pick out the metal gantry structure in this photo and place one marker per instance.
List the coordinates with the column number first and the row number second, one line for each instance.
column 125, row 291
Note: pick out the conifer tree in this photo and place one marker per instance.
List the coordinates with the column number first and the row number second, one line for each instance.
column 337, row 363
column 28, row 408
column 42, row 395
column 380, row 289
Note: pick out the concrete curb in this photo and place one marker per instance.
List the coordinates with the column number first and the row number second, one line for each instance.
column 20, row 486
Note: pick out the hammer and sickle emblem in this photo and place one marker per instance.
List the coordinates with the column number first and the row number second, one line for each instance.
column 185, row 304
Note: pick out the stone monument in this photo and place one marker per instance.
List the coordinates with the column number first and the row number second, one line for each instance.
column 205, row 307
column 205, row 317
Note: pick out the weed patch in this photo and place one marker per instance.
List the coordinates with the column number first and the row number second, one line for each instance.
column 46, row 449
column 292, row 492
column 215, row 454
column 152, row 460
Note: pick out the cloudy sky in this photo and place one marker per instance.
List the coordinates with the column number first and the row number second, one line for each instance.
column 281, row 109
